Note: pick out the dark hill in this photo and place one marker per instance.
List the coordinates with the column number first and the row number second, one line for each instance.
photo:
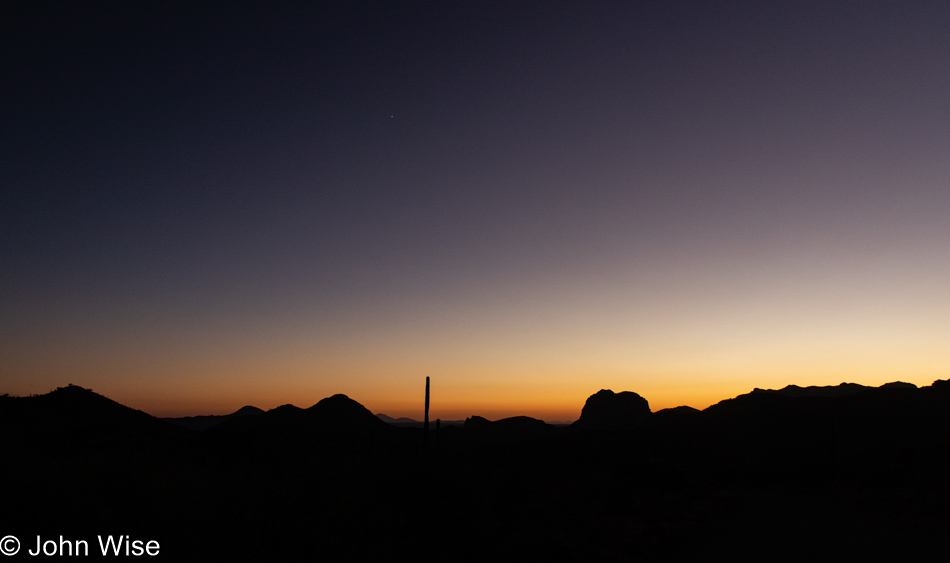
column 475, row 422
column 826, row 432
column 839, row 390
column 898, row 385
column 523, row 428
column 333, row 482
column 507, row 430
column 405, row 422
column 338, row 420
column 204, row 422
column 606, row 410
column 78, row 415
column 340, row 412
column 681, row 411
column 284, row 418
column 682, row 418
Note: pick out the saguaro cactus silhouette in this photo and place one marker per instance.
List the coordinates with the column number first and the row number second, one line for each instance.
column 425, row 425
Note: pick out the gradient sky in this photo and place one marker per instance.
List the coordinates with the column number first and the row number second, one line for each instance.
column 526, row 201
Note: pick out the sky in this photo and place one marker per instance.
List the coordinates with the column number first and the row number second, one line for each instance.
column 207, row 207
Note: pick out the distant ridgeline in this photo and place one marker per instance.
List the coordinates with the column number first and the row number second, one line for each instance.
column 815, row 429
column 82, row 414
column 310, row 482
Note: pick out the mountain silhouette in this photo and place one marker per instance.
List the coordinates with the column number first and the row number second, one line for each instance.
column 406, row 422
column 390, row 420
column 336, row 420
column 78, row 415
column 839, row 390
column 476, row 422
column 343, row 413
column 873, row 432
column 606, row 410
column 843, row 469
column 507, row 430
column 204, row 422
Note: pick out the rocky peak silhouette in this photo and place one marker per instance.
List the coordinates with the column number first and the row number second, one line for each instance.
column 606, row 410
column 341, row 411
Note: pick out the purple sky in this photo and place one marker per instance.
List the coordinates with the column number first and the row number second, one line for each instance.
column 526, row 201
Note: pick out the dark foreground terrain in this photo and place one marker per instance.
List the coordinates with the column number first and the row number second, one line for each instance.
column 845, row 473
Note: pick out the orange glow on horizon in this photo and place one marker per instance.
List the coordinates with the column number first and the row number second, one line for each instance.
column 687, row 340
column 451, row 401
